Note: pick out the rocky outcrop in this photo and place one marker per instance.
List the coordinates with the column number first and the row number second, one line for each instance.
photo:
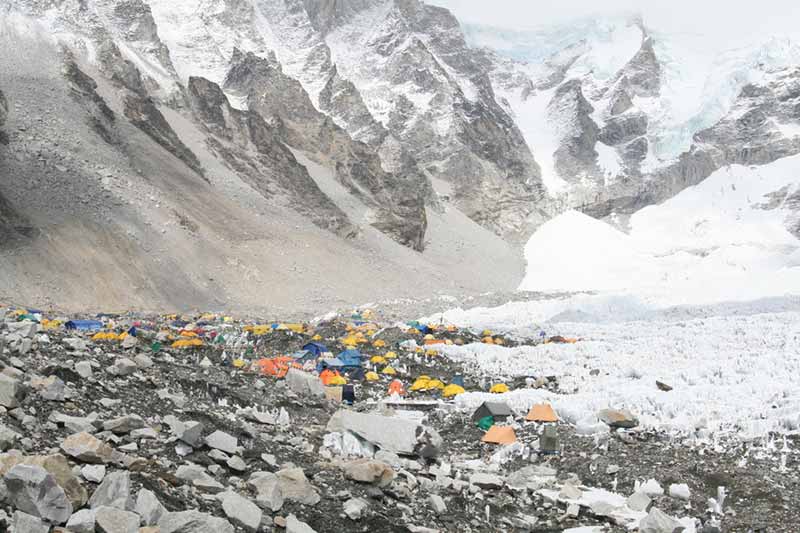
column 251, row 148
column 575, row 158
column 398, row 200
column 99, row 116
column 643, row 71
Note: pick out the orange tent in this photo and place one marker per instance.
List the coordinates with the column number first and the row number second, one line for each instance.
column 396, row 387
column 277, row 366
column 327, row 375
column 542, row 412
column 500, row 435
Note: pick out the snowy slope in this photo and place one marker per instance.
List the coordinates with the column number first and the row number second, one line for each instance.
column 717, row 236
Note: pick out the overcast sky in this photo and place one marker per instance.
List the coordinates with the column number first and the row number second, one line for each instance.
column 732, row 20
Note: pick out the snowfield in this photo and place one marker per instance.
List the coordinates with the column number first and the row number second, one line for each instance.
column 702, row 294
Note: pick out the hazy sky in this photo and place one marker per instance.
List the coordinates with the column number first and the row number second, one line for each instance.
column 731, row 20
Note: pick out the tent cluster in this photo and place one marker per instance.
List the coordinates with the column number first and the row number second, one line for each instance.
column 497, row 420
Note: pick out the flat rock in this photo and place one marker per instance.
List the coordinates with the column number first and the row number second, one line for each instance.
column 486, row 481
column 124, row 424
column 305, row 384
column 437, row 504
column 241, row 511
column 87, row 448
column 220, row 440
column 395, row 434
column 198, row 477
column 193, row 522
column 113, row 520
column 34, row 490
column 10, row 391
column 114, row 491
column 236, row 463
column 369, row 471
column 618, row 418
column 639, row 501
column 8, row 438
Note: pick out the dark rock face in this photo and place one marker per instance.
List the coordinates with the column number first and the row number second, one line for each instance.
column 622, row 129
column 643, row 72
column 251, row 147
column 3, row 109
column 100, row 117
column 399, row 200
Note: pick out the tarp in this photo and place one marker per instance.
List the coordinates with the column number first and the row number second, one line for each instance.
column 84, row 325
column 333, row 362
column 350, row 357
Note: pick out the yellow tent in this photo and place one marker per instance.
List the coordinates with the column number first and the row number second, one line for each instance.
column 389, row 371
column 377, row 359
column 371, row 376
column 452, row 390
column 499, row 388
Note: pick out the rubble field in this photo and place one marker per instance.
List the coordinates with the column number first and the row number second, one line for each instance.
column 206, row 423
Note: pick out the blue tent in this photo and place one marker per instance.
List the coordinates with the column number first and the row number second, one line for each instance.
column 333, row 363
column 316, row 348
column 303, row 356
column 86, row 325
column 351, row 357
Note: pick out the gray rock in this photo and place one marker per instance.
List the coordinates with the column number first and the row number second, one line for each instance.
column 222, row 441
column 680, row 491
column 124, row 424
column 218, row 456
column 398, row 435
column 25, row 523
column 241, row 511
column 267, row 486
column 24, row 328
column 122, row 367
column 34, row 490
column 295, row 486
column 486, row 481
column 82, row 521
column 198, row 477
column 8, row 438
column 84, row 369
column 193, row 522
column 369, row 471
column 293, row 525
column 236, row 463
column 354, row 508
column 93, row 473
column 144, row 433
column 51, row 388
column 114, row 491
column 658, row 522
column 143, row 361
column 305, row 384
column 618, row 418
column 113, row 520
column 87, row 448
column 639, row 501
column 149, row 508
column 75, row 424
column 76, row 345
column 10, row 391
column 191, row 432
column 437, row 504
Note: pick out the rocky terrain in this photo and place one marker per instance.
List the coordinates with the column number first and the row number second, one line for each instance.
column 164, row 423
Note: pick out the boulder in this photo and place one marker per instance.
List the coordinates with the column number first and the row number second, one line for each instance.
column 486, row 481
column 8, row 438
column 639, row 501
column 395, row 434
column 193, row 522
column 58, row 466
column 84, row 369
column 437, row 504
column 354, row 508
column 114, row 491
column 295, row 486
column 25, row 523
column 10, row 391
column 267, row 487
column 293, row 525
column 618, row 418
column 241, row 511
column 198, row 477
column 149, row 508
column 369, row 471
column 75, row 424
column 87, row 448
column 680, row 491
column 34, row 490
column 305, row 384
column 93, row 473
column 124, row 424
column 113, row 520
column 82, row 521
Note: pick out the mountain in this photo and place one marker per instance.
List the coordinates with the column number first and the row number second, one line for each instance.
column 198, row 152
